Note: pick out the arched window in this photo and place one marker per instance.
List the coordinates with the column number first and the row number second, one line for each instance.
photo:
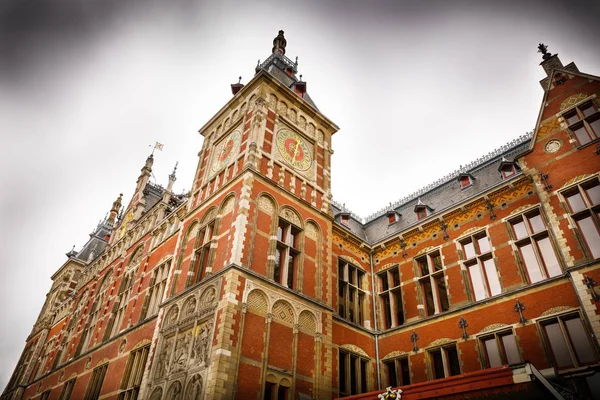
column 158, row 283
column 204, row 253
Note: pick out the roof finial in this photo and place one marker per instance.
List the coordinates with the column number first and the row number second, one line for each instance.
column 239, row 81
column 279, row 44
column 115, row 209
column 542, row 48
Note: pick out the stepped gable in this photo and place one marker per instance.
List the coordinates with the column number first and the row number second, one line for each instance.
column 440, row 195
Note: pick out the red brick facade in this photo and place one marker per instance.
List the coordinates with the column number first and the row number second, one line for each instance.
column 256, row 285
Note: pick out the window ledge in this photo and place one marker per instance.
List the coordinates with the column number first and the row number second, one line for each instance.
column 590, row 143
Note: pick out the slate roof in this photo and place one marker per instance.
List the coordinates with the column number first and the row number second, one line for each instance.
column 276, row 64
column 441, row 195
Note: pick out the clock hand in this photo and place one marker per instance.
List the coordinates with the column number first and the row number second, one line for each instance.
column 296, row 150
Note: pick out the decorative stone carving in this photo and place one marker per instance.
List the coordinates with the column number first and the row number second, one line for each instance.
column 552, row 146
column 202, row 343
column 172, row 315
column 311, row 130
column 273, row 101
column 189, row 306
column 283, row 108
column 302, row 122
column 156, row 394
column 208, row 297
column 440, row 341
column 572, row 100
column 162, row 362
column 174, row 392
column 228, row 206
column 292, row 115
column 290, row 216
column 320, row 136
column 194, row 388
column 122, row 346
column 266, row 205
column 311, row 231
column 283, row 311
column 555, row 310
column 181, row 352
column 355, row 349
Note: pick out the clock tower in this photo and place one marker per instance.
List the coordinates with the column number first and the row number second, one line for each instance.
column 257, row 234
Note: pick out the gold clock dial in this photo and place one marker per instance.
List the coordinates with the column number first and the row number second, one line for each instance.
column 225, row 151
column 294, row 149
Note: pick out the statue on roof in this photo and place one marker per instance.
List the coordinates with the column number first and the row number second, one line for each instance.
column 542, row 48
column 279, row 44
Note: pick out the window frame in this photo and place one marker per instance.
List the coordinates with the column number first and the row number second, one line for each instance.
column 497, row 336
column 443, row 349
column 132, row 375
column 399, row 380
column 352, row 278
column 94, row 387
column 289, row 243
column 391, row 293
column 546, row 341
column 67, row 390
column 432, row 278
column 204, row 250
column 533, row 238
column 361, row 377
column 156, row 290
column 583, row 121
column 589, row 210
column 479, row 259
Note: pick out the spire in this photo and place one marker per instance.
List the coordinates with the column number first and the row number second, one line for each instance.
column 279, row 44
column 172, row 178
column 115, row 209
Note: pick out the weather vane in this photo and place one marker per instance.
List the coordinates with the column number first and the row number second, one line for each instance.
column 156, row 146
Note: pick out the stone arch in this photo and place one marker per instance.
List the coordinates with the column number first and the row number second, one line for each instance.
column 311, row 129
column 556, row 310
column 440, row 341
column 251, row 101
column 307, row 321
column 174, row 392
column 234, row 116
column 258, row 301
column 285, row 382
column 227, row 204
column 156, row 393
column 351, row 260
column 208, row 297
column 394, row 354
column 291, row 215
column 141, row 343
column 283, row 311
column 193, row 390
column 492, row 327
column 243, row 108
column 172, row 315
column 267, row 203
column 302, row 122
column 292, row 114
column 271, row 379
column 210, row 214
column 425, row 250
column 227, row 122
column 272, row 101
column 355, row 349
column 136, row 256
column 283, row 107
column 312, row 230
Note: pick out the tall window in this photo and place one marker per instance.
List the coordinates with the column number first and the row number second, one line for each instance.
column 352, row 373
column 444, row 362
column 397, row 372
column 67, row 389
column 121, row 303
column 44, row 358
column 390, row 296
column 568, row 341
column 584, row 204
column 287, row 252
column 433, row 284
column 479, row 263
column 158, row 283
column 203, row 254
column 499, row 348
column 584, row 122
column 45, row 395
column 88, row 333
column 92, row 392
column 535, row 246
column 351, row 290
column 132, row 376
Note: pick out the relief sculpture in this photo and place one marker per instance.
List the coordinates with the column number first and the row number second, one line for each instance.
column 181, row 353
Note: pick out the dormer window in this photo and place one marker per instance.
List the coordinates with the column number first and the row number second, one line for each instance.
column 465, row 180
column 392, row 216
column 584, row 122
column 422, row 210
column 345, row 218
column 507, row 168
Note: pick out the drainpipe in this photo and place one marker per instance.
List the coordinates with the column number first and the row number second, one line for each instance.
column 375, row 322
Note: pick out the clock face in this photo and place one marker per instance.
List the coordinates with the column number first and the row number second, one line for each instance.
column 294, row 149
column 225, row 151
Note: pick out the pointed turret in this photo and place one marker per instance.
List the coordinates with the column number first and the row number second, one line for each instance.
column 114, row 211
column 172, row 178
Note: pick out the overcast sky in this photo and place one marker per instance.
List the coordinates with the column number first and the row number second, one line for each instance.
column 417, row 88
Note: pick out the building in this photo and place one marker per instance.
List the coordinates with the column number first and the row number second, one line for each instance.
column 257, row 285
